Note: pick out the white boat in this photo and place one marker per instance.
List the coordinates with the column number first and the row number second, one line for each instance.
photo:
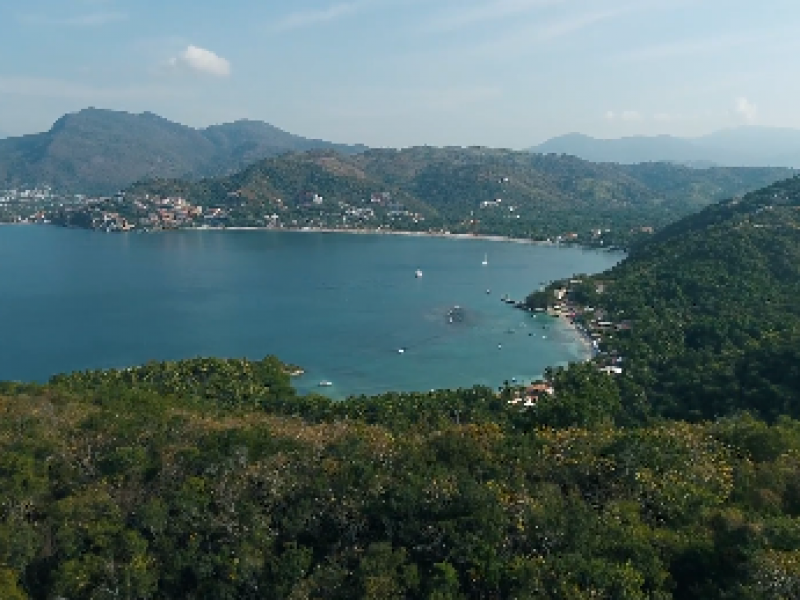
column 325, row 384
column 418, row 273
column 485, row 260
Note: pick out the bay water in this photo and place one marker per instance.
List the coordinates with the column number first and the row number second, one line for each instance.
column 340, row 306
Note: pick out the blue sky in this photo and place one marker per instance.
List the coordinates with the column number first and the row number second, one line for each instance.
column 507, row 73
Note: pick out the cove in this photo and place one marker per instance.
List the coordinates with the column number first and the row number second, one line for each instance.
column 340, row 306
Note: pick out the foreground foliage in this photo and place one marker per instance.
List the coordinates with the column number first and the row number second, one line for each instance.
column 157, row 482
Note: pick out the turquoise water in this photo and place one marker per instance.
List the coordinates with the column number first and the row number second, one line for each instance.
column 340, row 306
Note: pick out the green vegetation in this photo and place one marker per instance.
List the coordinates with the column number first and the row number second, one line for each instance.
column 712, row 303
column 211, row 479
column 460, row 190
column 676, row 478
column 98, row 151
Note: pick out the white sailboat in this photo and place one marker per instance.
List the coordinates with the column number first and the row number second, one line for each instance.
column 418, row 273
column 485, row 260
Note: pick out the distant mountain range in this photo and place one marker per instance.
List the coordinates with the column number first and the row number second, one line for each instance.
column 101, row 151
column 738, row 147
column 98, row 151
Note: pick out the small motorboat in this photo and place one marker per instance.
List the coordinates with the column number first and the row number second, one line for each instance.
column 325, row 384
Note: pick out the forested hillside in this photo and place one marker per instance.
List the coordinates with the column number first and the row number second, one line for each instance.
column 463, row 190
column 713, row 305
column 96, row 151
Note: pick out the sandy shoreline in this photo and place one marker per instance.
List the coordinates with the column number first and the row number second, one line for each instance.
column 454, row 236
column 585, row 341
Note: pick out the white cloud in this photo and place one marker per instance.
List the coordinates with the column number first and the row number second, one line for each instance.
column 746, row 109
column 624, row 115
column 304, row 18
column 630, row 115
column 202, row 61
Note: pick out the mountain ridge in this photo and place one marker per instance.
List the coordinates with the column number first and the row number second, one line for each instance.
column 469, row 190
column 100, row 151
column 733, row 147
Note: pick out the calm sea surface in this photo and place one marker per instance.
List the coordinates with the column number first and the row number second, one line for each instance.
column 340, row 306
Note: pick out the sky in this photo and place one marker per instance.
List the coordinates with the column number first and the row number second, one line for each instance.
column 396, row 73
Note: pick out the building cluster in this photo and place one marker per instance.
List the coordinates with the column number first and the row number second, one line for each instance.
column 111, row 221
column 28, row 205
column 531, row 394
column 170, row 213
column 594, row 324
column 115, row 214
column 34, row 194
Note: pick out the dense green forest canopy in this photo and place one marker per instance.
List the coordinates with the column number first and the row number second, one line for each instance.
column 461, row 190
column 211, row 478
column 713, row 302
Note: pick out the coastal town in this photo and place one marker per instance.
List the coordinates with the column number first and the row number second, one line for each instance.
column 125, row 212
column 593, row 325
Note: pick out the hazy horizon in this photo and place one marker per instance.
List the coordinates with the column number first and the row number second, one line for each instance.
column 397, row 73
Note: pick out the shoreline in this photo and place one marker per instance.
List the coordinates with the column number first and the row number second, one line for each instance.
column 456, row 236
column 445, row 235
column 582, row 338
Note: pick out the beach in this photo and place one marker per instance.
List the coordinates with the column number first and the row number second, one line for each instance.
column 425, row 234
column 584, row 340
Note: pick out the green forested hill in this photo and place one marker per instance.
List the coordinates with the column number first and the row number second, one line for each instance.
column 213, row 479
column 97, row 151
column 457, row 189
column 713, row 302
